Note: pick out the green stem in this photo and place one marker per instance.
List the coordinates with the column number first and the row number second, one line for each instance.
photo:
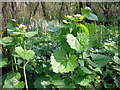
column 72, row 76
column 24, row 43
column 82, row 56
column 25, row 75
column 15, row 63
column 12, row 65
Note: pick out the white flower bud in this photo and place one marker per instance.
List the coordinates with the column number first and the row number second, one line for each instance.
column 69, row 16
column 22, row 26
column 78, row 15
column 87, row 8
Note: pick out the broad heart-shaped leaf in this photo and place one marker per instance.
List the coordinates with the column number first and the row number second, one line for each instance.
column 61, row 64
column 30, row 34
column 59, row 55
column 83, row 38
column 99, row 60
column 12, row 81
column 24, row 53
column 80, row 42
column 91, row 16
column 73, row 42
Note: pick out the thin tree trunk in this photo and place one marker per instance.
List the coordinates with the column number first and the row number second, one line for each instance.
column 88, row 3
column 5, row 20
column 61, row 12
column 4, row 15
column 30, row 16
column 14, row 10
column 34, row 12
column 80, row 5
column 45, row 14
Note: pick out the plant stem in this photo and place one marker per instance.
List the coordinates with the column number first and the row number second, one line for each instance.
column 25, row 75
column 82, row 55
column 15, row 63
column 12, row 65
column 72, row 76
column 24, row 44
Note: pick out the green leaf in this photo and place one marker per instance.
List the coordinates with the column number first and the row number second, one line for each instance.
column 58, row 82
column 61, row 84
column 9, row 25
column 6, row 41
column 85, row 11
column 116, row 59
column 42, row 82
column 61, row 64
column 30, row 34
column 65, row 21
column 98, row 70
column 92, row 29
column 91, row 16
column 65, row 45
column 2, row 79
column 3, row 64
column 85, row 80
column 12, row 81
column 81, row 62
column 83, row 40
column 17, row 33
column 24, row 53
column 86, row 70
column 84, row 28
column 99, row 60
column 73, row 42
column 59, row 55
column 71, row 86
column 53, row 29
column 80, row 42
column 116, row 67
column 10, row 30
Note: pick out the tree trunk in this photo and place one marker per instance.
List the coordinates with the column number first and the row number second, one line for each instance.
column 88, row 3
column 14, row 10
column 45, row 14
column 4, row 14
column 79, row 5
column 61, row 12
column 36, row 7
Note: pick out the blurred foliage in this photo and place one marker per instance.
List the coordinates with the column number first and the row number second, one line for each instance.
column 108, row 12
column 78, row 51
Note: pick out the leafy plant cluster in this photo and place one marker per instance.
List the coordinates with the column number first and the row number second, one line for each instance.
column 74, row 55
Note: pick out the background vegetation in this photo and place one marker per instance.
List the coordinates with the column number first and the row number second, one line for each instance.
column 60, row 45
